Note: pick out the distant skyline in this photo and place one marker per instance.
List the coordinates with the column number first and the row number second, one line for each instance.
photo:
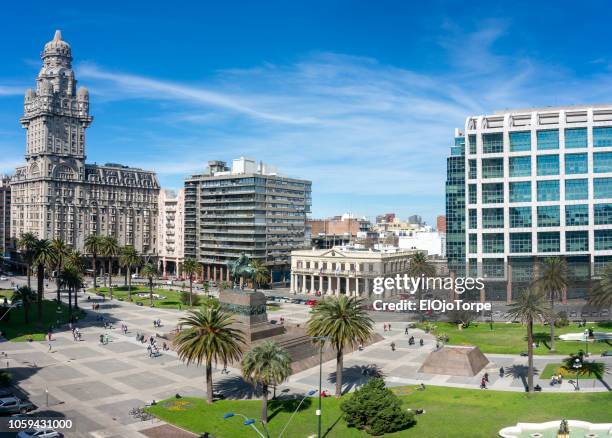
column 360, row 97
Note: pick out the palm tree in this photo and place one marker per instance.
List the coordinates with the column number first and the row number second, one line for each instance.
column 191, row 268
column 61, row 251
column 529, row 307
column 342, row 321
column 110, row 250
column 587, row 368
column 27, row 297
column 44, row 257
column 260, row 273
column 149, row 271
column 75, row 258
column 266, row 364
column 601, row 294
column 552, row 281
column 72, row 278
column 129, row 259
column 420, row 267
column 93, row 245
column 26, row 244
column 206, row 335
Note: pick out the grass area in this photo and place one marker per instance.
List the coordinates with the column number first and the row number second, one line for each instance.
column 172, row 298
column 555, row 368
column 14, row 328
column 474, row 413
column 511, row 338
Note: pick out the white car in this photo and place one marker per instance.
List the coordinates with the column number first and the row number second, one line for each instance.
column 39, row 433
column 3, row 278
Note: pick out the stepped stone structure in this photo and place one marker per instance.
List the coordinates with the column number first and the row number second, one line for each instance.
column 455, row 361
column 249, row 309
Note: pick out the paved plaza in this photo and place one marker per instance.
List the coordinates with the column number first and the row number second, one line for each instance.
column 96, row 385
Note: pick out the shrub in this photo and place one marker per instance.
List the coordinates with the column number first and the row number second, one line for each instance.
column 561, row 319
column 376, row 410
column 185, row 299
column 5, row 378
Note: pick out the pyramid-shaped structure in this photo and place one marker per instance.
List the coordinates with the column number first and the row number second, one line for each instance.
column 455, row 361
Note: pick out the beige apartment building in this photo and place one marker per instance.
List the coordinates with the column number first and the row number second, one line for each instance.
column 344, row 270
column 170, row 242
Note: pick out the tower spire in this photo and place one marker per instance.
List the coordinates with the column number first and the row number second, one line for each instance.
column 58, row 35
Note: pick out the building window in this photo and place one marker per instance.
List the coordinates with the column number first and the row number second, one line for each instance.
column 473, row 222
column 576, row 163
column 472, row 169
column 576, row 215
column 493, row 268
column 549, row 216
column 492, row 218
column 576, row 189
column 549, row 242
column 548, row 139
column 472, row 142
column 602, row 188
column 602, row 214
column 492, row 143
column 548, row 190
column 493, row 243
column 575, row 138
column 576, row 241
column 602, row 162
column 520, row 141
column 548, row 165
column 472, row 194
column 493, row 168
column 603, row 240
column 520, row 166
column 473, row 243
column 602, row 137
column 520, row 217
column 520, row 191
column 493, row 193
column 520, row 242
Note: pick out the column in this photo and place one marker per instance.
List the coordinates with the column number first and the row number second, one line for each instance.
column 227, row 273
column 312, row 284
column 321, row 284
column 366, row 291
column 164, row 267
column 564, row 295
column 215, row 273
column 357, row 286
column 348, row 286
column 292, row 288
column 509, row 285
column 329, row 285
column 303, row 283
column 337, row 286
column 208, row 272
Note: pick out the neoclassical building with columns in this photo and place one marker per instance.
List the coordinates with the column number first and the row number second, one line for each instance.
column 344, row 270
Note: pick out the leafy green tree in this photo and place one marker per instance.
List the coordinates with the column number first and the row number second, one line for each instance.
column 191, row 268
column 129, row 259
column 26, row 243
column 44, row 257
column 601, row 294
column 27, row 297
column 376, row 409
column 343, row 321
column 587, row 368
column 260, row 274
column 266, row 364
column 207, row 335
column 110, row 250
column 61, row 251
column 71, row 278
column 529, row 307
column 149, row 271
column 552, row 282
column 93, row 245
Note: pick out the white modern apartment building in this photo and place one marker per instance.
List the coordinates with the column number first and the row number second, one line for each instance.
column 171, row 231
column 538, row 183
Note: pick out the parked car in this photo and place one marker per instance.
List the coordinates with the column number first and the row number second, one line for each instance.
column 39, row 433
column 3, row 278
column 6, row 392
column 607, row 353
column 12, row 405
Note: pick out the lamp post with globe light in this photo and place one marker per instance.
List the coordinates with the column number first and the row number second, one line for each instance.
column 577, row 365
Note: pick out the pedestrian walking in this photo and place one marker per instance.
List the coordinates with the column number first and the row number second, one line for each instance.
column 406, row 331
column 385, row 327
column 392, row 346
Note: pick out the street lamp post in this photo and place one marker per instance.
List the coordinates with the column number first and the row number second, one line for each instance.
column 308, row 394
column 247, row 422
column 586, row 341
column 322, row 340
column 577, row 365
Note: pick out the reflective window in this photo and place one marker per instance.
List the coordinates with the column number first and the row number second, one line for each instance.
column 576, row 163
column 493, row 168
column 602, row 162
column 520, row 191
column 493, row 243
column 548, row 165
column 472, row 141
column 549, row 216
column 603, row 240
column 492, row 193
column 473, row 194
column 493, row 268
column 520, row 166
column 602, row 214
column 576, row 189
column 472, row 169
column 520, row 217
column 602, row 188
column 549, row 242
column 473, row 219
column 473, row 247
column 576, row 138
column 520, row 242
column 576, row 240
column 548, row 139
column 548, row 190
column 492, row 143
column 576, row 215
column 602, row 137
column 520, row 141
column 492, row 218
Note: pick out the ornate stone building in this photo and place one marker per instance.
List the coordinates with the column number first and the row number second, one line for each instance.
column 56, row 194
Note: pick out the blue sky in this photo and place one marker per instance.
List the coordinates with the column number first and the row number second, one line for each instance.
column 360, row 97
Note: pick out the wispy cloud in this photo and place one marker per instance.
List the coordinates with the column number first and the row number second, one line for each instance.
column 7, row 90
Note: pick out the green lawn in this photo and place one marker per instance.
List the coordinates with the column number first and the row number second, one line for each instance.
column 511, row 338
column 449, row 412
column 555, row 368
column 172, row 298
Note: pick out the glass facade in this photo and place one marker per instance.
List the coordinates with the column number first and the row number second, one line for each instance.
column 602, row 214
column 455, row 210
column 472, row 194
column 520, row 217
column 576, row 215
column 602, row 188
column 603, row 240
column 473, row 219
column 576, row 138
column 602, row 137
column 576, row 241
column 520, row 166
column 492, row 218
column 472, row 142
column 548, row 139
column 548, row 165
column 548, row 190
column 549, row 216
column 520, row 191
column 493, row 168
column 576, row 189
column 602, row 162
column 520, row 242
column 520, row 141
column 493, row 243
column 492, row 193
column 576, row 163
column 549, row 242
column 472, row 172
column 492, row 143
column 473, row 243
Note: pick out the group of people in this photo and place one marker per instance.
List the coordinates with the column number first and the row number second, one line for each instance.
column 387, row 327
column 411, row 341
column 157, row 323
column 76, row 334
column 124, row 328
column 556, row 379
